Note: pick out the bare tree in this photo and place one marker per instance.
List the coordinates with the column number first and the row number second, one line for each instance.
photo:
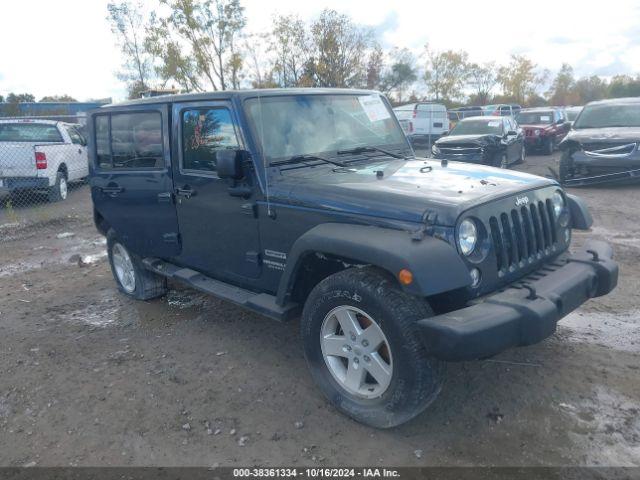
column 128, row 24
column 291, row 44
column 482, row 78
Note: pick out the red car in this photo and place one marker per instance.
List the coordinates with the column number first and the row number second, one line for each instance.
column 543, row 128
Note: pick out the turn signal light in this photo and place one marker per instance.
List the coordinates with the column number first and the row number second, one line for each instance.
column 405, row 276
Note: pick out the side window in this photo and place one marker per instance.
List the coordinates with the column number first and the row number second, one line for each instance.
column 76, row 138
column 204, row 132
column 103, row 151
column 136, row 140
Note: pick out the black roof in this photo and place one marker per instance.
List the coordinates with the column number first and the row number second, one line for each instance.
column 242, row 94
column 617, row 101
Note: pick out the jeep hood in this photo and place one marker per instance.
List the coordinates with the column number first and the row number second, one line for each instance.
column 405, row 191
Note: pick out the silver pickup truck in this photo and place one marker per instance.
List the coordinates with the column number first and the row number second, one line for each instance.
column 42, row 156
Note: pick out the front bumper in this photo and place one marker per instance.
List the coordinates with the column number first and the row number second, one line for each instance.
column 534, row 141
column 526, row 312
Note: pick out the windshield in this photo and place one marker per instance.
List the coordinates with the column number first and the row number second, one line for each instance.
column 29, row 132
column 535, row 118
column 294, row 125
column 478, row 127
column 609, row 115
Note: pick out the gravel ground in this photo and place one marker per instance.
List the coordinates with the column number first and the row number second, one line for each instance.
column 89, row 377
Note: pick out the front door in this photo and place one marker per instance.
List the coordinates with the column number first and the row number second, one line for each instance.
column 218, row 231
column 131, row 183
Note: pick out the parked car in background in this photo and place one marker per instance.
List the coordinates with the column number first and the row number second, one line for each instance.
column 488, row 140
column 457, row 114
column 43, row 156
column 604, row 143
column 544, row 128
column 423, row 122
column 502, row 109
column 572, row 113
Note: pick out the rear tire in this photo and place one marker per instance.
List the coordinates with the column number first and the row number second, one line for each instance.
column 411, row 379
column 60, row 189
column 132, row 278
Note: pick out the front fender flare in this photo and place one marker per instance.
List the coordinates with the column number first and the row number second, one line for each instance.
column 436, row 265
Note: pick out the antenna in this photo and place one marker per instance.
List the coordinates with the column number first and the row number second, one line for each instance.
column 264, row 160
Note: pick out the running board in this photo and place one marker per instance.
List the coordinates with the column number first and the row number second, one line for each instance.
column 261, row 303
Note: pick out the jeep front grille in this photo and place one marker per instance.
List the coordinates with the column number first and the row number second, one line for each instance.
column 523, row 235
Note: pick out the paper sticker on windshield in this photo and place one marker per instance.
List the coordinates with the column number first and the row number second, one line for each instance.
column 374, row 108
column 545, row 118
column 494, row 124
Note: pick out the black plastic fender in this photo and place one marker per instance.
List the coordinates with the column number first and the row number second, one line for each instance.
column 436, row 265
column 580, row 217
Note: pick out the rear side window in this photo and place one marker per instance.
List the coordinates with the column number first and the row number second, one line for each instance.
column 129, row 140
column 29, row 132
column 205, row 131
column 76, row 138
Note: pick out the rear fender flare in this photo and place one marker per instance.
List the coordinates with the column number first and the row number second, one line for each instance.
column 436, row 265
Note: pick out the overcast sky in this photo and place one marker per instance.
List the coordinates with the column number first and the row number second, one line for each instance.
column 50, row 47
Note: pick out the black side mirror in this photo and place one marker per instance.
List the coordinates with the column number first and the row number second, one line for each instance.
column 229, row 163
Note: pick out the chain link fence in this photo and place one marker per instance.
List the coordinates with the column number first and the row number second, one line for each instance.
column 43, row 167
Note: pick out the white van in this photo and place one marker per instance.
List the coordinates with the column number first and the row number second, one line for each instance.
column 423, row 120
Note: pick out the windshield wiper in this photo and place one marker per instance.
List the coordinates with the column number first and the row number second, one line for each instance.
column 370, row 148
column 302, row 158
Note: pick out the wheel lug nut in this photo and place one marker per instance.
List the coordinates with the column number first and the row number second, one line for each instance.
column 355, row 360
column 348, row 347
column 366, row 358
column 353, row 337
column 365, row 343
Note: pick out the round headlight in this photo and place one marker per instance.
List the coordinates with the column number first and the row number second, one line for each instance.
column 558, row 204
column 467, row 236
column 536, row 132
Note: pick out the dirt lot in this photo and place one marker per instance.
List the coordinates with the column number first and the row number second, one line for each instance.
column 89, row 377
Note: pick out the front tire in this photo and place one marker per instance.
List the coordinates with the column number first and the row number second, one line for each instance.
column 363, row 348
column 548, row 146
column 129, row 273
column 60, row 189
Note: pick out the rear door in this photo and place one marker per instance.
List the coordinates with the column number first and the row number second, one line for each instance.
column 218, row 231
column 131, row 180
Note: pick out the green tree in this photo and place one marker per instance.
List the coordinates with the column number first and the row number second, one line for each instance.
column 337, row 46
column 128, row 25
column 520, row 78
column 58, row 98
column 195, row 44
column 562, row 90
column 290, row 44
column 446, row 73
column 588, row 89
column 624, row 86
column 482, row 79
column 401, row 74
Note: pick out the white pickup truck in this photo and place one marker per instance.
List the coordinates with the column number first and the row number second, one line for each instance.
column 43, row 156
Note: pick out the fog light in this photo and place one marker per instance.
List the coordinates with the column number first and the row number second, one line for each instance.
column 475, row 277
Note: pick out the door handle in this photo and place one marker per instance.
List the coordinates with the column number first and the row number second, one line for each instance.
column 186, row 192
column 112, row 191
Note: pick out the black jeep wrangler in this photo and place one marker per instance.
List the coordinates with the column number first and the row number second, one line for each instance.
column 312, row 204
